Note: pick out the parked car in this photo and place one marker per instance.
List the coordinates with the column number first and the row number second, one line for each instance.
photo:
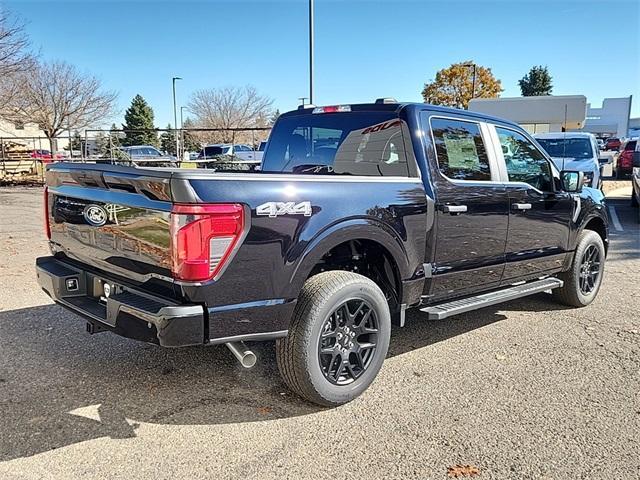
column 624, row 162
column 360, row 212
column 635, row 179
column 45, row 155
column 574, row 151
column 148, row 156
column 227, row 156
column 612, row 143
column 242, row 152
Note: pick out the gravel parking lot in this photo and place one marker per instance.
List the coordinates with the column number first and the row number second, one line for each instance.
column 527, row 389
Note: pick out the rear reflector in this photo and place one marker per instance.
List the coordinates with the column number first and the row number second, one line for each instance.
column 204, row 238
column 47, row 225
column 332, row 109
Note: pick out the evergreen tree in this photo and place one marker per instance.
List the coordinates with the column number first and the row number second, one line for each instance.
column 139, row 117
column 274, row 117
column 191, row 143
column 168, row 141
column 536, row 82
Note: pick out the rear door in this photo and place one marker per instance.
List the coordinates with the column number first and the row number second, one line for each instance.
column 539, row 215
column 472, row 208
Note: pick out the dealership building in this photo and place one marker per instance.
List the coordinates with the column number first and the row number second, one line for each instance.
column 553, row 113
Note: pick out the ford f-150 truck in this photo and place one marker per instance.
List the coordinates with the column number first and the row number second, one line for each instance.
column 359, row 213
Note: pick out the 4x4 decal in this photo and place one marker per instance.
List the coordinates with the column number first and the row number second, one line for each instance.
column 274, row 209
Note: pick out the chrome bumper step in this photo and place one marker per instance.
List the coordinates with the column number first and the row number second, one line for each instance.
column 454, row 307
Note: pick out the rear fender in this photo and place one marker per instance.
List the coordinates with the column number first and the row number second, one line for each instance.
column 351, row 229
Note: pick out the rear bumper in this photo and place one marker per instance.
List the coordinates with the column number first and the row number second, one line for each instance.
column 129, row 313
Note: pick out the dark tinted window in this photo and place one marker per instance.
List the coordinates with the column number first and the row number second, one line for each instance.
column 631, row 145
column 212, row 151
column 525, row 163
column 356, row 143
column 460, row 151
column 567, row 147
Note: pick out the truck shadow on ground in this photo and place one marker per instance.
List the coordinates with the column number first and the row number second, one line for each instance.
column 60, row 386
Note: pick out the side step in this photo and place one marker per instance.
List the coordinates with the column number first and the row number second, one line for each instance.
column 444, row 310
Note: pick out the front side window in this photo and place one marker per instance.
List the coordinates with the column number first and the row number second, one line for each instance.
column 460, row 150
column 525, row 163
column 355, row 143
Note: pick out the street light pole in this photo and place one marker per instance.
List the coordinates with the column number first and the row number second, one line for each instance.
column 175, row 116
column 311, row 53
column 473, row 82
column 182, row 127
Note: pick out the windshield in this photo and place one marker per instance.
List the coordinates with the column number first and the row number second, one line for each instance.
column 567, row 147
column 357, row 143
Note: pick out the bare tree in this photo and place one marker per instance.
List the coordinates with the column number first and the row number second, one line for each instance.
column 230, row 107
column 14, row 44
column 58, row 97
column 15, row 57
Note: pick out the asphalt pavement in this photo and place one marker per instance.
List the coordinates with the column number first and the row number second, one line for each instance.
column 526, row 389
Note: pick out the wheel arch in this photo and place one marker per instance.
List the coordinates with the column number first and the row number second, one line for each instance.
column 366, row 230
column 598, row 225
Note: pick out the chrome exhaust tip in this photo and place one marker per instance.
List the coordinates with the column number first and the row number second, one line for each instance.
column 245, row 356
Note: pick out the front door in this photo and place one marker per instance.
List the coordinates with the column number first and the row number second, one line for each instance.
column 471, row 214
column 539, row 216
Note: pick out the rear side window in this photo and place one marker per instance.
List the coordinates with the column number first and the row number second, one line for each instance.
column 460, row 150
column 631, row 145
column 356, row 143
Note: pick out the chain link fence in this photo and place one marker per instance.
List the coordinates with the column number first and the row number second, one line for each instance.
column 23, row 159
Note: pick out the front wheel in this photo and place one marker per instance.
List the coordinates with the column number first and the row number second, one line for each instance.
column 582, row 281
column 338, row 338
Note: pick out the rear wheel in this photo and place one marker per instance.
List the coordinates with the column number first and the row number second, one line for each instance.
column 582, row 281
column 338, row 338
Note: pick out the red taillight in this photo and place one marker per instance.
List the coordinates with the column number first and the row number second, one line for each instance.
column 203, row 239
column 47, row 225
column 625, row 160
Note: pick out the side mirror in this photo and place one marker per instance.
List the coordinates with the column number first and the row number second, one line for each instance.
column 572, row 181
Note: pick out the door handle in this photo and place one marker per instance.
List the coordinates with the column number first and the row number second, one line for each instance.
column 454, row 209
column 521, row 206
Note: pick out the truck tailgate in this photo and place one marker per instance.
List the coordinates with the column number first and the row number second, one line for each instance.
column 112, row 218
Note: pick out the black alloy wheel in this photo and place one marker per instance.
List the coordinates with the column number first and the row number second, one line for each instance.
column 589, row 269
column 348, row 341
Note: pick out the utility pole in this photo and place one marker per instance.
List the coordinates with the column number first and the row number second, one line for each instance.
column 311, row 28
column 175, row 116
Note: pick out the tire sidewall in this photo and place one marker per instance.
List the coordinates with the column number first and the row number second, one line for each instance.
column 589, row 238
column 365, row 290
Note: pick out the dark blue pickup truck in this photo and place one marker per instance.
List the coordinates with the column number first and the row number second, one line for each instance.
column 358, row 213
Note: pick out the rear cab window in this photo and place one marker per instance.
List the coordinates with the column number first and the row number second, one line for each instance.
column 363, row 143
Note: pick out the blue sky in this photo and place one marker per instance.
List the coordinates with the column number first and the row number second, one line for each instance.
column 364, row 49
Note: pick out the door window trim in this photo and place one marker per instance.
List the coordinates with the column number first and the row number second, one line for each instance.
column 488, row 146
column 502, row 164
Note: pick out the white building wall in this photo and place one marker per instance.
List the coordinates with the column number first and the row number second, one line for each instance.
column 610, row 119
column 30, row 136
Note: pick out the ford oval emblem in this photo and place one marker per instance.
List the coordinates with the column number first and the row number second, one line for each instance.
column 95, row 215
